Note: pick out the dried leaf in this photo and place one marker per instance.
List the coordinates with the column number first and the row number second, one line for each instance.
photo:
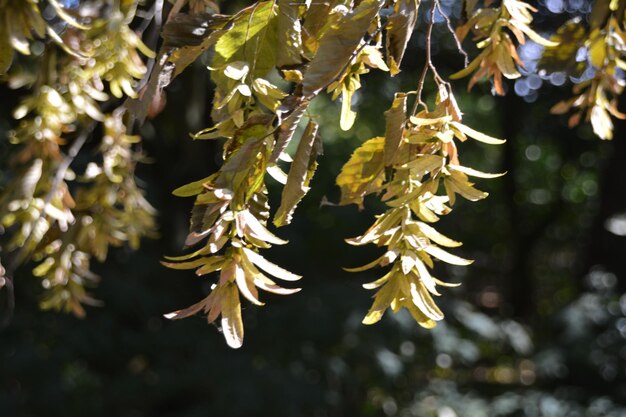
column 476, row 135
column 289, row 31
column 338, row 45
column 400, row 26
column 269, row 267
column 473, row 172
column 288, row 126
column 300, row 174
column 447, row 257
column 232, row 325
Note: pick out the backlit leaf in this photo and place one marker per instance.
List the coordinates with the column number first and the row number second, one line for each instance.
column 192, row 189
column 394, row 127
column 251, row 38
column 473, row 172
column 447, row 257
column 476, row 135
column 382, row 300
column 232, row 325
column 269, row 267
column 363, row 173
column 338, row 44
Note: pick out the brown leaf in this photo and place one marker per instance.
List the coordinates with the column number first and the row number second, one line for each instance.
column 338, row 45
column 394, row 129
column 300, row 174
column 400, row 26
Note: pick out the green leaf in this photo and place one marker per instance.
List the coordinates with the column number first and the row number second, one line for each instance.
column 394, row 129
column 300, row 174
column 193, row 188
column 252, row 38
column 6, row 50
column 400, row 26
column 363, row 173
column 338, row 45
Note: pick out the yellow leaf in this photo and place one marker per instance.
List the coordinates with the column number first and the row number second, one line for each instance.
column 232, row 325
column 476, row 135
column 269, row 267
column 363, row 173
column 473, row 172
column 447, row 257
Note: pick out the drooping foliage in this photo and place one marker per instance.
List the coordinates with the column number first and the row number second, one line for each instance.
column 57, row 217
column 268, row 62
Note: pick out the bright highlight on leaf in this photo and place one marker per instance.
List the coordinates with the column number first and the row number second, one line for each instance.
column 421, row 153
column 268, row 62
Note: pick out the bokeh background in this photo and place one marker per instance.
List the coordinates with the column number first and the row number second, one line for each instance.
column 538, row 327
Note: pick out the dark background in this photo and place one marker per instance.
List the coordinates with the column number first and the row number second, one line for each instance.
column 536, row 329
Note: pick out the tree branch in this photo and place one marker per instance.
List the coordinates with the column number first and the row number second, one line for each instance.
column 459, row 47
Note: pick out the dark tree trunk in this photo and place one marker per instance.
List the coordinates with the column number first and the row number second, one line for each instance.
column 604, row 248
column 519, row 290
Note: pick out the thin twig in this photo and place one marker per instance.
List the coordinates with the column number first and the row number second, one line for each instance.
column 459, row 47
column 427, row 65
column 157, row 15
column 147, row 17
column 175, row 9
